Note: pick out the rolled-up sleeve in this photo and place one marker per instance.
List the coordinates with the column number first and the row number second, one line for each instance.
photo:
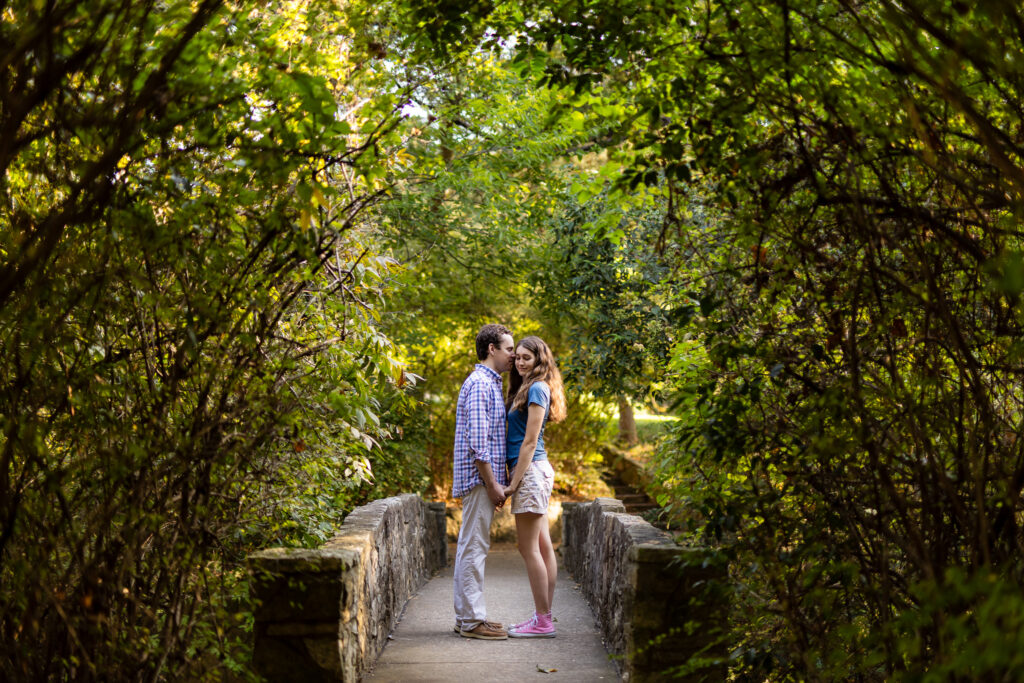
column 479, row 422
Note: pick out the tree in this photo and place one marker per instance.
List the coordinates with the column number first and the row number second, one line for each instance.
column 469, row 224
column 185, row 268
column 851, row 407
column 604, row 285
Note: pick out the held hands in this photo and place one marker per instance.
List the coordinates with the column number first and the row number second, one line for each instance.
column 497, row 495
column 509, row 490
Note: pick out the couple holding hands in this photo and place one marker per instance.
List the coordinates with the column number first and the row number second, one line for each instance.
column 499, row 455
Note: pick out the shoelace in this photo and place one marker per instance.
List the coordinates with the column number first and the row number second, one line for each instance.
column 532, row 621
column 528, row 622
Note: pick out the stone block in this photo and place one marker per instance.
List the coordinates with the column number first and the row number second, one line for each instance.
column 283, row 658
column 325, row 613
column 658, row 604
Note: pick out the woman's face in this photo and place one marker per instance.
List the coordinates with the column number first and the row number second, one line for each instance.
column 525, row 360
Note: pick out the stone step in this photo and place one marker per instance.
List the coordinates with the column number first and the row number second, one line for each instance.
column 633, row 499
column 627, row 491
column 636, row 508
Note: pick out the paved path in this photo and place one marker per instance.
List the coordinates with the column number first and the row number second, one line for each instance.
column 425, row 648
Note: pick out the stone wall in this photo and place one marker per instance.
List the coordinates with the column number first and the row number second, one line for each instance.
column 325, row 614
column 658, row 604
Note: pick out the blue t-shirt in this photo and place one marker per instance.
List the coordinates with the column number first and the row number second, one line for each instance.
column 539, row 394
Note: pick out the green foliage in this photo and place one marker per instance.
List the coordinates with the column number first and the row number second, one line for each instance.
column 185, row 269
column 574, row 446
column 979, row 617
column 230, row 232
column 471, row 225
column 604, row 286
column 848, row 377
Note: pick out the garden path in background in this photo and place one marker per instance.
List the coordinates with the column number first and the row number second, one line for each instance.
column 425, row 648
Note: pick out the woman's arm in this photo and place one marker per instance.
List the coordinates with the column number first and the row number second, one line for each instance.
column 534, row 421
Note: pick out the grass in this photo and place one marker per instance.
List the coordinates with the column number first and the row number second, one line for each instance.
column 649, row 426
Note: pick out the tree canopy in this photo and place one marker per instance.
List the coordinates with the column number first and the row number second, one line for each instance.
column 245, row 247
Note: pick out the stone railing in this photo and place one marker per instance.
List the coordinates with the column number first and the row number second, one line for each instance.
column 325, row 614
column 658, row 604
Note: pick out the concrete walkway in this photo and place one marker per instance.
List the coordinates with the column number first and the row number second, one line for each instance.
column 425, row 648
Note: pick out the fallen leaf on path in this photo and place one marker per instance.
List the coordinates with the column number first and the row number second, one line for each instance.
column 545, row 671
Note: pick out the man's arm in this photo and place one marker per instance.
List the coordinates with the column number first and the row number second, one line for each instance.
column 479, row 450
column 494, row 491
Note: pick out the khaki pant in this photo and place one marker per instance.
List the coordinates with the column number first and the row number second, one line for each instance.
column 470, row 556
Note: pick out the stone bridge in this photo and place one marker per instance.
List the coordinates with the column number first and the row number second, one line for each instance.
column 327, row 614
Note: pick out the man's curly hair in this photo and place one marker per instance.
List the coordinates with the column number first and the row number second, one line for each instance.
column 489, row 334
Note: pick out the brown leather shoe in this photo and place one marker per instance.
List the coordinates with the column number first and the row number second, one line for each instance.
column 484, row 631
column 493, row 624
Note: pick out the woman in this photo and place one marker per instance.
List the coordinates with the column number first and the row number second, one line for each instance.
column 534, row 396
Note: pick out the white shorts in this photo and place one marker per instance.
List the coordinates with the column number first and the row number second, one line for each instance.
column 535, row 491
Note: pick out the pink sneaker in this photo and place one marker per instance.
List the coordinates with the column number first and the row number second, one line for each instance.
column 521, row 624
column 530, row 620
column 547, row 615
column 537, row 627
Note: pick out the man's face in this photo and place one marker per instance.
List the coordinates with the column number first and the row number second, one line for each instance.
column 504, row 354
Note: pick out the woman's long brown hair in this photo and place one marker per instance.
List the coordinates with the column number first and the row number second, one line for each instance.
column 545, row 369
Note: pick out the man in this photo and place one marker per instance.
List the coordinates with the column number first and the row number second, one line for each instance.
column 480, row 477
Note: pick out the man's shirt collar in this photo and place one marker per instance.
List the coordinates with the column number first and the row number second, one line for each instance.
column 492, row 374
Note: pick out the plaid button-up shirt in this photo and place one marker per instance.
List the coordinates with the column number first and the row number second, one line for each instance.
column 479, row 430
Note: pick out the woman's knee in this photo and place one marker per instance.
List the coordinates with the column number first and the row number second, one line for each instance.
column 528, row 532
